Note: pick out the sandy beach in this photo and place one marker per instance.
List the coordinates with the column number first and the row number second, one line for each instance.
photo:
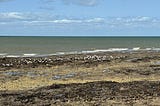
column 104, row 78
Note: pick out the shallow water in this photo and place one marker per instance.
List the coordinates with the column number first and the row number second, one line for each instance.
column 30, row 46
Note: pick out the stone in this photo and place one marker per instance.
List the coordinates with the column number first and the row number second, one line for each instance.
column 56, row 77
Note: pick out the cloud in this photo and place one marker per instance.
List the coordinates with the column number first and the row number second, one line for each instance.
column 69, row 21
column 28, row 16
column 49, row 18
column 76, row 2
column 44, row 19
column 8, row 17
column 11, row 15
column 42, row 23
column 96, row 20
column 49, row 5
column 82, row 2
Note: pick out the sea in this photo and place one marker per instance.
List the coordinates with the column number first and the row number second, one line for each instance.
column 41, row 46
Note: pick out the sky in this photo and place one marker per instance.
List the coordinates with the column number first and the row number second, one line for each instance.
column 79, row 17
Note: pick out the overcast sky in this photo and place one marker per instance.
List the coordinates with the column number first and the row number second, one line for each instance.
column 79, row 17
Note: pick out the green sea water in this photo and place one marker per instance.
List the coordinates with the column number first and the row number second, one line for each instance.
column 49, row 45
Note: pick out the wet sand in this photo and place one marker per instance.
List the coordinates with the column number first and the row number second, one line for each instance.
column 111, row 78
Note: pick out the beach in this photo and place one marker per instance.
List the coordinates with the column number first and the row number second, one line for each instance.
column 79, row 53
column 98, row 78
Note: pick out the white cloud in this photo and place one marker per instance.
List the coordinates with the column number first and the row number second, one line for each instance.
column 10, row 16
column 143, row 18
column 139, row 19
column 49, row 19
column 18, row 16
column 67, row 21
column 133, row 19
column 34, row 18
column 76, row 2
column 82, row 2
column 96, row 20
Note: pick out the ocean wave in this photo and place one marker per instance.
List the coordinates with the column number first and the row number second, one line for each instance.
column 12, row 56
column 29, row 54
column 2, row 54
column 136, row 48
column 156, row 49
column 80, row 52
column 148, row 49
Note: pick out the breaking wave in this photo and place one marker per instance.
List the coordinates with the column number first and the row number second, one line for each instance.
column 81, row 52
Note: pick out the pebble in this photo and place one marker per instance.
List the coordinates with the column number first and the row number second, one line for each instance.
column 56, row 77
column 70, row 75
column 106, row 70
column 157, row 63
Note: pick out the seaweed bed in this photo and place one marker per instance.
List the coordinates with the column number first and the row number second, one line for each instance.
column 93, row 92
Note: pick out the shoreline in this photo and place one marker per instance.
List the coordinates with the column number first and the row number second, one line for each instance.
column 92, row 51
column 53, row 59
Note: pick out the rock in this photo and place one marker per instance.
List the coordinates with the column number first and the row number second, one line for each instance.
column 7, row 65
column 111, row 57
column 31, row 74
column 106, row 70
column 134, row 60
column 58, row 96
column 157, row 63
column 71, row 75
column 13, row 73
column 57, row 77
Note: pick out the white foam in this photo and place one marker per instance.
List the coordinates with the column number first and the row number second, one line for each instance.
column 60, row 53
column 3, row 54
column 74, row 52
column 156, row 49
column 29, row 54
column 105, row 50
column 148, row 49
column 89, row 51
column 118, row 49
column 136, row 48
column 12, row 56
column 81, row 52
